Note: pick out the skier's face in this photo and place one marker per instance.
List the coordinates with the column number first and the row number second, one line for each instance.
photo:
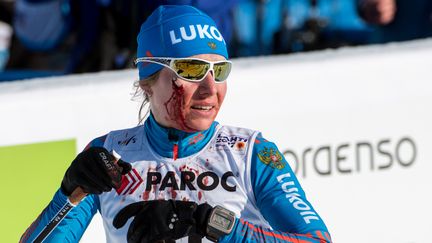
column 184, row 105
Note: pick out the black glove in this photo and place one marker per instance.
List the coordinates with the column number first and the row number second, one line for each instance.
column 201, row 216
column 95, row 171
column 157, row 220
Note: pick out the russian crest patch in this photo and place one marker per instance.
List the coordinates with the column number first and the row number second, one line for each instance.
column 272, row 157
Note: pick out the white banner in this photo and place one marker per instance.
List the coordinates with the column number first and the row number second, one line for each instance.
column 355, row 125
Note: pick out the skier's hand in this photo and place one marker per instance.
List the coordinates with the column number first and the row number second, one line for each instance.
column 157, row 220
column 93, row 171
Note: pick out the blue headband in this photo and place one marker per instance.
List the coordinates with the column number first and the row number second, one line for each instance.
column 177, row 31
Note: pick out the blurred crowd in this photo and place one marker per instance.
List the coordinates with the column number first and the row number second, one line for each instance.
column 56, row 37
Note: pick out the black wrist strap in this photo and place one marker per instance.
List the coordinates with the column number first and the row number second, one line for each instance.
column 194, row 238
column 213, row 236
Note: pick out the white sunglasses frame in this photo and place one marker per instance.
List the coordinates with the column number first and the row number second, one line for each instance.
column 169, row 63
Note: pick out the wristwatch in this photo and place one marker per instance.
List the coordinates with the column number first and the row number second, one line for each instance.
column 220, row 223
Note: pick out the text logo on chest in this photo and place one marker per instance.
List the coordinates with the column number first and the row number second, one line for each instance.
column 188, row 179
column 192, row 32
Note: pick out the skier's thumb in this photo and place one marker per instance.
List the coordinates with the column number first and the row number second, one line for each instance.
column 125, row 167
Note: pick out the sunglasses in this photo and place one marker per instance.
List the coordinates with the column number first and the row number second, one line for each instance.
column 192, row 69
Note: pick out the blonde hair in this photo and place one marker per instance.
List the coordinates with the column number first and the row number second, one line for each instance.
column 141, row 95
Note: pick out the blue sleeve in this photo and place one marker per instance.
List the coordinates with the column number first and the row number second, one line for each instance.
column 72, row 227
column 281, row 201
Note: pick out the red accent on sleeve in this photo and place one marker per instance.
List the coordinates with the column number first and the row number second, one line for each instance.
column 175, row 151
column 277, row 235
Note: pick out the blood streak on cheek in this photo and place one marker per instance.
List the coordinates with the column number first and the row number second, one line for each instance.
column 175, row 104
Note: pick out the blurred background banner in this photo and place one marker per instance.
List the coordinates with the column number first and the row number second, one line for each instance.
column 353, row 123
column 59, row 37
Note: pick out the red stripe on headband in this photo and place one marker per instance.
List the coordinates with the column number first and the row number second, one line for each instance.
column 149, row 54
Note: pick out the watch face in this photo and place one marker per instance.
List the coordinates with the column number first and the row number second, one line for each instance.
column 221, row 221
